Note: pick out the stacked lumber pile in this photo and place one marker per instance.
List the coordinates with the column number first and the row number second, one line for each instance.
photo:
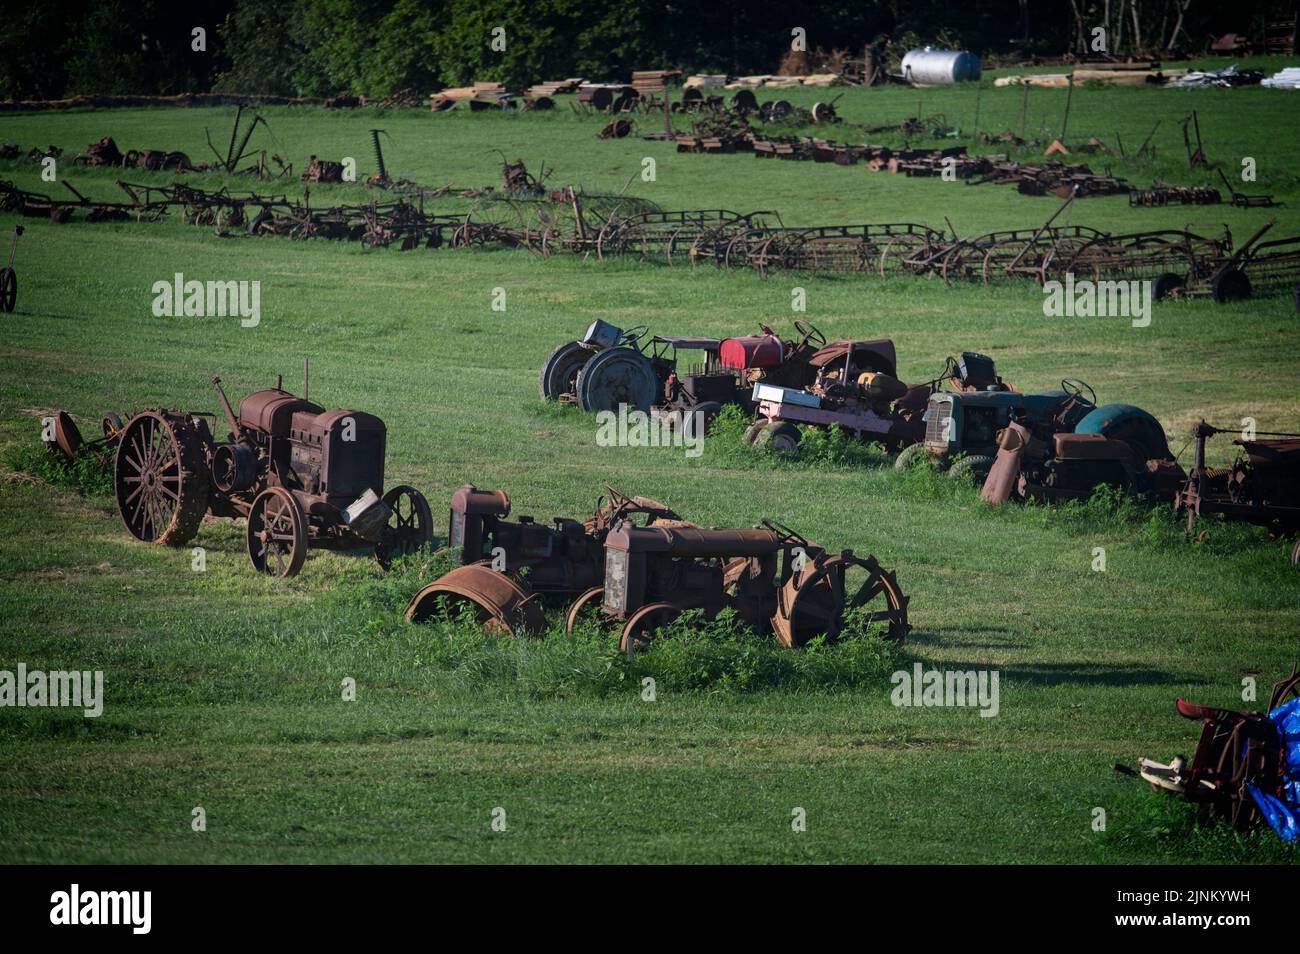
column 652, row 81
column 553, row 87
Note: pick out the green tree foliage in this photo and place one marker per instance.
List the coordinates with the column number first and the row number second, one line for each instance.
column 375, row 47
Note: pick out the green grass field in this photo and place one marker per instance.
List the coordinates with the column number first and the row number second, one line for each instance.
column 223, row 688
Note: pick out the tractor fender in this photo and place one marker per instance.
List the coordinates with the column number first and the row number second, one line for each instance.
column 1125, row 422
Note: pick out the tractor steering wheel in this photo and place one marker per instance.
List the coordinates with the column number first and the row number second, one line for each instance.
column 1076, row 388
column 635, row 334
column 810, row 333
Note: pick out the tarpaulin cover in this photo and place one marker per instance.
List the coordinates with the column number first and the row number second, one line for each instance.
column 1283, row 813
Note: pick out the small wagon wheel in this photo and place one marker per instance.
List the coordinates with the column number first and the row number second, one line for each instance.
column 409, row 529
column 277, row 533
column 641, row 626
column 586, row 600
column 8, row 289
column 160, row 479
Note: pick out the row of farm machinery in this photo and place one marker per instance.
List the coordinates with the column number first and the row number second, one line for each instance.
column 1178, row 262
column 303, row 477
column 1052, row 445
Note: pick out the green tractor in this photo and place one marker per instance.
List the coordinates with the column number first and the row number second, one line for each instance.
column 962, row 428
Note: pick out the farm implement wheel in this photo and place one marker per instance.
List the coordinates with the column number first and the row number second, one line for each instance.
column 559, row 375
column 641, row 626
column 409, row 529
column 614, row 377
column 160, row 480
column 8, row 289
column 589, row 599
column 814, row 600
column 277, row 533
column 499, row 604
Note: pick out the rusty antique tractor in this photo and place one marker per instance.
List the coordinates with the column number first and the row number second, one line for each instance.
column 302, row 476
column 1115, row 445
column 642, row 576
column 773, row 579
column 506, row 564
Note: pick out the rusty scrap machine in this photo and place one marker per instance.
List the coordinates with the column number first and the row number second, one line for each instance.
column 1262, row 486
column 642, row 575
column 302, row 477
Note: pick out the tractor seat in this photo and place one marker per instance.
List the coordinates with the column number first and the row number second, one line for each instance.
column 1090, row 447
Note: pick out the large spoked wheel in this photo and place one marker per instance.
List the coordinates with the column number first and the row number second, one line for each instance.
column 160, row 480
column 277, row 533
column 614, row 377
column 640, row 629
column 815, row 600
column 8, row 289
column 559, row 375
column 409, row 529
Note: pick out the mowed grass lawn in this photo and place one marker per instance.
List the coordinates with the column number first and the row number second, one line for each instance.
column 223, row 688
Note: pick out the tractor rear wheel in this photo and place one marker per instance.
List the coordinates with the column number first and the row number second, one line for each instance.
column 160, row 478
column 615, row 377
column 559, row 374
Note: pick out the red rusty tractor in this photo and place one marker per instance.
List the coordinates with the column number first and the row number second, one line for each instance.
column 302, row 476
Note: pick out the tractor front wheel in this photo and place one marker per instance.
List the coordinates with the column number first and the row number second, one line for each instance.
column 783, row 438
column 910, row 455
column 409, row 529
column 277, row 533
column 977, row 466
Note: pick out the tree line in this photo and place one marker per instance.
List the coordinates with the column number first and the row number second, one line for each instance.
column 55, row 48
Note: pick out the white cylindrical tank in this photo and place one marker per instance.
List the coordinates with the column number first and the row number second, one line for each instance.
column 940, row 67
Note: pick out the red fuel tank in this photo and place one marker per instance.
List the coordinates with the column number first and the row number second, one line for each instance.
column 752, row 351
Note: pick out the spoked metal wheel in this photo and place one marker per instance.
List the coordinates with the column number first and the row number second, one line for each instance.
column 160, row 480
column 8, row 289
column 640, row 629
column 409, row 529
column 814, row 600
column 588, row 600
column 277, row 533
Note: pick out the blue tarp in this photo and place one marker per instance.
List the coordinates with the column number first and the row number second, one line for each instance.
column 1283, row 814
